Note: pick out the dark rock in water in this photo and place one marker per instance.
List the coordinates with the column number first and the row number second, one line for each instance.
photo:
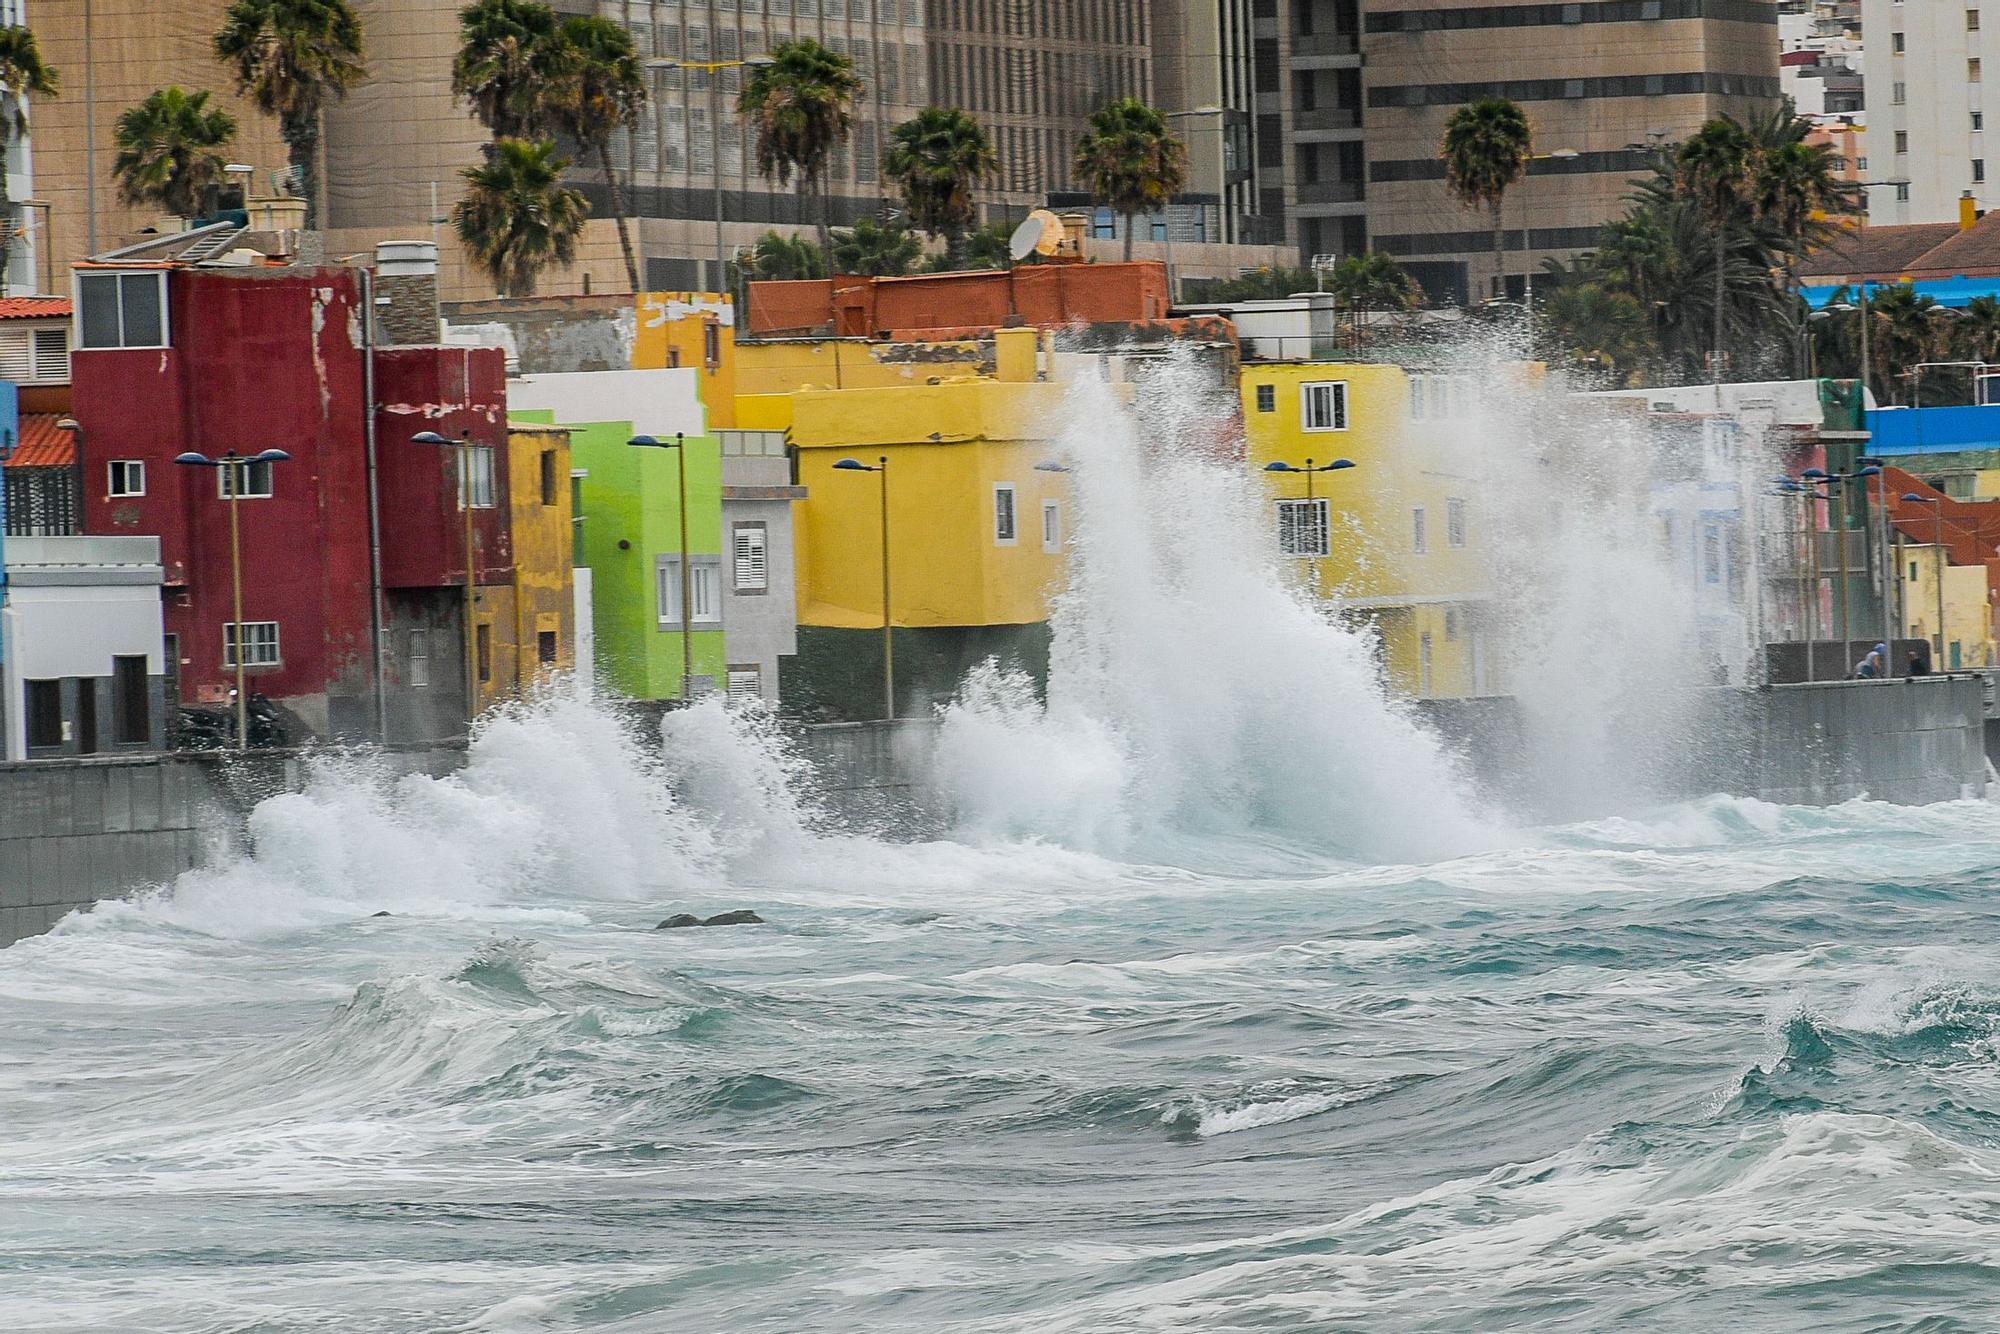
column 677, row 921
column 384, row 913
column 741, row 917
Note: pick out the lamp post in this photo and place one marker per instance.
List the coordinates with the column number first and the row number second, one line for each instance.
column 1866, row 200
column 1803, row 552
column 679, row 445
column 1338, row 465
column 1528, row 244
column 464, row 446
column 1937, row 512
column 713, row 67
column 1201, row 112
column 1808, row 352
column 881, row 469
column 235, row 469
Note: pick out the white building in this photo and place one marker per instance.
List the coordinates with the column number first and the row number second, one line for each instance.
column 82, row 657
column 760, row 596
column 1925, row 64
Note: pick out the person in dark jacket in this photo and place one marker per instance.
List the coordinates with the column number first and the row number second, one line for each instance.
column 1920, row 662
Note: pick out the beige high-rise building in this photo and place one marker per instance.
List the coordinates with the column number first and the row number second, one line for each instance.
column 1609, row 81
column 122, row 50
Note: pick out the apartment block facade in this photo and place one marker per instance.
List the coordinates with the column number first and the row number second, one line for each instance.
column 1925, row 66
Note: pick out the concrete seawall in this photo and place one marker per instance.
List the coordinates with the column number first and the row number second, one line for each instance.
column 73, row 832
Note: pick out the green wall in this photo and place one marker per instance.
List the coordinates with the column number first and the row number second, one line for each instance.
column 632, row 496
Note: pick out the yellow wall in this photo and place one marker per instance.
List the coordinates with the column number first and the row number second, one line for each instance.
column 780, row 367
column 1402, row 463
column 673, row 332
column 542, row 595
column 1967, row 615
column 947, row 566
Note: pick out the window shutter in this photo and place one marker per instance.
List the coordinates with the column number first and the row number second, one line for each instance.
column 752, row 574
column 746, row 684
column 17, row 361
column 52, row 354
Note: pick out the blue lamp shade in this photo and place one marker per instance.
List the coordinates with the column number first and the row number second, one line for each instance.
column 1338, row 464
column 853, row 465
column 1280, row 466
column 1049, row 465
column 194, row 460
column 1869, row 472
column 1916, row 499
column 271, row 456
column 1814, row 473
column 429, row 438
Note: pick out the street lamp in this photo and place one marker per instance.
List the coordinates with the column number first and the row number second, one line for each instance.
column 1838, row 484
column 1808, row 569
column 881, row 468
column 1335, row 466
column 464, row 446
column 1937, row 511
column 1866, row 206
column 1808, row 352
column 679, row 445
column 715, row 132
column 235, row 473
column 1527, row 241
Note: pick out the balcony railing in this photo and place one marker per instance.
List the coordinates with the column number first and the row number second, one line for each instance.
column 1325, row 44
column 1336, row 118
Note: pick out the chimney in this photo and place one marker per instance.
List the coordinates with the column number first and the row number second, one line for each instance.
column 1968, row 211
column 406, row 292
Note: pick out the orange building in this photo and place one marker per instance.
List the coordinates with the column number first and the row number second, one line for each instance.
column 1046, row 296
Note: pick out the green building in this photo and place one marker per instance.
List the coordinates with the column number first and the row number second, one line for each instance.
column 628, row 516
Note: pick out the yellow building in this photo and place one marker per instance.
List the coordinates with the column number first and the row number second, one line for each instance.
column 1968, row 617
column 976, row 531
column 1395, row 539
column 525, row 630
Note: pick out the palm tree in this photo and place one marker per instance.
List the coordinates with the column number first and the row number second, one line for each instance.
column 168, row 150
column 601, row 90
column 1486, row 148
column 1976, row 336
column 22, row 75
column 1373, row 281
column 990, row 247
column 780, row 258
column 1906, row 329
column 506, row 66
column 1130, row 160
column 292, row 58
column 1714, row 171
column 801, row 105
column 875, row 251
column 517, row 217
column 935, row 158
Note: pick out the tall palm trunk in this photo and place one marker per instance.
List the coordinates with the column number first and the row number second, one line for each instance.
column 1721, row 290
column 7, row 218
column 1499, row 287
column 618, row 211
column 1128, row 236
column 822, row 215
column 301, row 136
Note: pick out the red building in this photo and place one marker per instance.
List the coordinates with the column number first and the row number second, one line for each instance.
column 181, row 355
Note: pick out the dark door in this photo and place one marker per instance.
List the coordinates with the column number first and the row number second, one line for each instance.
column 86, row 715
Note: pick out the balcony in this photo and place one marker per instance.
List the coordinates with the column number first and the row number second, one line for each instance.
column 1336, row 118
column 1324, row 50
column 1332, row 192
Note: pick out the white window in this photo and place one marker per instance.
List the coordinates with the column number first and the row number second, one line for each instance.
column 1003, row 514
column 749, row 561
column 121, row 309
column 746, row 684
column 1417, row 398
column 1302, row 528
column 1419, row 540
column 260, row 643
column 420, row 658
column 476, row 469
column 1323, row 406
column 251, row 480
column 1051, row 526
column 704, row 590
column 127, row 478
column 34, row 356
column 1454, row 522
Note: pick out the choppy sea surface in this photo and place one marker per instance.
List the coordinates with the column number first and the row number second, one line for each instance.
column 1721, row 1065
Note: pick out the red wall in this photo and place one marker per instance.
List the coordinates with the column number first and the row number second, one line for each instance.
column 447, row 390
column 267, row 358
column 1041, row 295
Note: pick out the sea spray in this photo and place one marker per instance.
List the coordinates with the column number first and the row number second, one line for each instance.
column 732, row 766
column 1190, row 691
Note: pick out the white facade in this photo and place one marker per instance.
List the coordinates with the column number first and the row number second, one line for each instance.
column 1927, row 69
column 73, row 605
column 760, row 595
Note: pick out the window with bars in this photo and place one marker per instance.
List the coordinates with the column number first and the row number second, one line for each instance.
column 1302, row 528
column 749, row 555
column 1051, row 526
column 418, row 672
column 1003, row 514
column 704, row 590
column 260, row 643
column 746, row 684
column 1454, row 522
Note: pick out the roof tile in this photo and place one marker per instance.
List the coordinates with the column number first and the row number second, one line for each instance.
column 42, row 443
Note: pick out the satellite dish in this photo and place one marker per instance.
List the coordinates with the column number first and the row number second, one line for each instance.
column 1040, row 234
